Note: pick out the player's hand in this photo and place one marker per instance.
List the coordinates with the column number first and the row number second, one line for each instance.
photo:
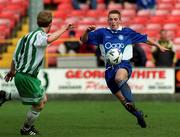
column 91, row 28
column 9, row 76
column 70, row 27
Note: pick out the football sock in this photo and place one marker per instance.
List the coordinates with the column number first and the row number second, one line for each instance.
column 11, row 95
column 32, row 116
column 7, row 95
column 126, row 92
column 128, row 103
column 130, row 107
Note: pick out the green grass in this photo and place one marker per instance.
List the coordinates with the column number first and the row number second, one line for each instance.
column 93, row 119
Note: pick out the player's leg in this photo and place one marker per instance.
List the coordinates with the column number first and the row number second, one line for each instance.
column 121, row 79
column 6, row 96
column 31, row 93
column 32, row 115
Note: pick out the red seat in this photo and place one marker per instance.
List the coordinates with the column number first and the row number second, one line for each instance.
column 144, row 13
column 176, row 41
column 162, row 12
column 141, row 20
column 176, row 12
column 47, row 1
column 165, row 6
column 113, row 6
column 57, row 1
column 65, row 7
column 170, row 26
column 78, row 13
column 100, row 1
column 137, row 27
column 153, row 26
column 130, row 6
column 156, row 20
column 101, row 6
column 93, row 13
column 6, row 30
column 177, row 5
column 60, row 14
column 128, row 13
column 152, row 33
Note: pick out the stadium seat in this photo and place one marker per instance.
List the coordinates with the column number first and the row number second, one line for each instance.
column 101, row 6
column 78, row 13
column 153, row 34
column 126, row 21
column 10, row 18
column 112, row 6
column 177, row 33
column 176, row 41
column 175, row 12
column 177, row 6
column 53, row 50
column 47, row 1
column 5, row 30
column 93, row 13
column 137, row 27
column 64, row 1
column 162, row 12
column 156, row 20
column 170, row 26
column 57, row 1
column 100, row 1
column 141, row 19
column 87, row 21
column 172, row 19
column 153, row 26
column 165, row 6
column 65, row 7
column 128, row 13
column 144, row 13
column 130, row 6
column 60, row 14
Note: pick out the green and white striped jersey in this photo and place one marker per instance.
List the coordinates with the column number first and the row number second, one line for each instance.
column 29, row 53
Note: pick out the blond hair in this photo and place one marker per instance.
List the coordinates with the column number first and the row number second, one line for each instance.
column 44, row 18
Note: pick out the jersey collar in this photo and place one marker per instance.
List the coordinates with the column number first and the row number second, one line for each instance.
column 115, row 31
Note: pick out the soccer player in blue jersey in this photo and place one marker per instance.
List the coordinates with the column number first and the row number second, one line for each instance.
column 116, row 36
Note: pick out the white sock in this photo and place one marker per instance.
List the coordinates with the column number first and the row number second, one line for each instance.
column 32, row 116
column 11, row 95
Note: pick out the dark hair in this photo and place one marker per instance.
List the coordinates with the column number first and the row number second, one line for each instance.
column 114, row 12
column 44, row 18
column 72, row 33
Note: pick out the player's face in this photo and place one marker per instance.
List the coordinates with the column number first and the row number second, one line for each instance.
column 114, row 21
column 164, row 35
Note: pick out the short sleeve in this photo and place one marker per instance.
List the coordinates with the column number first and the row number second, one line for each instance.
column 137, row 37
column 95, row 37
column 41, row 39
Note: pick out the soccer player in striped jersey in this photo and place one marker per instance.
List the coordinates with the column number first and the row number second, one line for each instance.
column 26, row 63
column 116, row 36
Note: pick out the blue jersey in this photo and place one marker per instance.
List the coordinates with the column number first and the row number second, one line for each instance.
column 123, row 38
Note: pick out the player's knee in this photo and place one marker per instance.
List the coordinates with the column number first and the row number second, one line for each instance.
column 40, row 106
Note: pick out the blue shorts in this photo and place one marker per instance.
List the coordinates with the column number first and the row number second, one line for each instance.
column 111, row 72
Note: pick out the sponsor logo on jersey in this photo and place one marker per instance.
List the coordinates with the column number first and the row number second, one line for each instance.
column 110, row 45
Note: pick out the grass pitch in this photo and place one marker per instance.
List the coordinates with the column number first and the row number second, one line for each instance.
column 93, row 119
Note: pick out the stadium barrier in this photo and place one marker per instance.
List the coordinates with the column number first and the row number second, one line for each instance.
column 91, row 81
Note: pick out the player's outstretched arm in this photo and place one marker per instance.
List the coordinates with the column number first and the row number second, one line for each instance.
column 54, row 36
column 9, row 76
column 153, row 43
column 84, row 37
